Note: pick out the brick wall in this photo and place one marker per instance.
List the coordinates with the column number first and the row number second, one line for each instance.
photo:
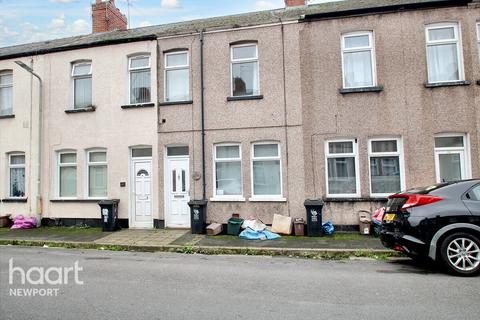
column 107, row 17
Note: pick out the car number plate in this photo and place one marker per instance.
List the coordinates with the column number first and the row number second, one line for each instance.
column 389, row 217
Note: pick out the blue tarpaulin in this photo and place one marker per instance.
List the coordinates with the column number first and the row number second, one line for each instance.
column 250, row 234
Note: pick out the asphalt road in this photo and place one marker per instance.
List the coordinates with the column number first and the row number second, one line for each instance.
column 126, row 285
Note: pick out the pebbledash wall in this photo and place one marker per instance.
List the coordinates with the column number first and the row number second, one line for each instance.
column 405, row 108
column 300, row 106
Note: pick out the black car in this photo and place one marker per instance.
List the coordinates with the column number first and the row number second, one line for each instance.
column 441, row 222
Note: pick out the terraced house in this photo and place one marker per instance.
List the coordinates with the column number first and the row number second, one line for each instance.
column 347, row 101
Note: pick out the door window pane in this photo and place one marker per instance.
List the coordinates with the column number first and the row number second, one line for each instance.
column 450, row 167
column 143, row 152
column 342, row 176
column 177, row 151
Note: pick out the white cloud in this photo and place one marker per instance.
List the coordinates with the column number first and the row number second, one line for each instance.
column 58, row 22
column 171, row 4
column 79, row 26
column 145, row 24
column 267, row 5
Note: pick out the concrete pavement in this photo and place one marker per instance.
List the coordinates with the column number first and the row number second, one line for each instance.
column 126, row 285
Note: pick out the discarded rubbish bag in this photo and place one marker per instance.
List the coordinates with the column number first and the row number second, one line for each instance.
column 255, row 225
column 250, row 234
column 328, row 227
column 378, row 215
column 21, row 222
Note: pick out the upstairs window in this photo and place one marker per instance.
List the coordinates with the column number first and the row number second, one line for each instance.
column 177, row 76
column 451, row 158
column 245, row 71
column 6, row 92
column 16, row 166
column 97, row 174
column 342, row 168
column 228, row 170
column 443, row 53
column 67, row 175
column 82, row 85
column 358, row 60
column 386, row 173
column 139, row 69
column 266, row 170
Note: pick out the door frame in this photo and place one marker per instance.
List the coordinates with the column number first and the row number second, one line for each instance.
column 166, row 186
column 131, row 186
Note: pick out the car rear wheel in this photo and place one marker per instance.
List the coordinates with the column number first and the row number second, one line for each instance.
column 460, row 253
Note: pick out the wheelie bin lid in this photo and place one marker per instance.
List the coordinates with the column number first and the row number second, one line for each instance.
column 108, row 202
column 201, row 202
column 313, row 202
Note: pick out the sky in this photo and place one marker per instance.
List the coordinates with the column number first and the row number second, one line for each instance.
column 24, row 21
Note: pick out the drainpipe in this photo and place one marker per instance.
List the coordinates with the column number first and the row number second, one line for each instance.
column 202, row 108
column 40, row 124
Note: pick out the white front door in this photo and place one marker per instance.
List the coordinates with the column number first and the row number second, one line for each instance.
column 177, row 193
column 142, row 193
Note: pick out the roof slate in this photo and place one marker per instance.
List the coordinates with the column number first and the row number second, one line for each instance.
column 209, row 24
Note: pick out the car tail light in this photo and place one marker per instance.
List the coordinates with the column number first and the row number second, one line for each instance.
column 416, row 200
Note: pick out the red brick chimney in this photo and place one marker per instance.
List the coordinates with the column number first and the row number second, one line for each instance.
column 295, row 3
column 107, row 17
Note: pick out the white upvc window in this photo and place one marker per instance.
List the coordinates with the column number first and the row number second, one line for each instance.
column 444, row 53
column 451, row 157
column 6, row 92
column 358, row 60
column 177, row 76
column 386, row 166
column 16, row 173
column 67, row 175
column 97, row 174
column 342, row 168
column 244, row 70
column 227, row 171
column 82, row 85
column 139, row 79
column 266, row 171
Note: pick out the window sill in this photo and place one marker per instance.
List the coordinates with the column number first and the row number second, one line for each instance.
column 361, row 90
column 75, row 200
column 139, row 105
column 174, row 103
column 353, row 199
column 447, row 84
column 7, row 116
column 267, row 199
column 15, row 200
column 239, row 98
column 227, row 199
column 87, row 109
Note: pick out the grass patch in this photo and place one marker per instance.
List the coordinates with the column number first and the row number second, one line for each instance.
column 55, row 230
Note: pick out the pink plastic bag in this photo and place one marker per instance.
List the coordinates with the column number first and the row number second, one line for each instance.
column 21, row 222
column 378, row 215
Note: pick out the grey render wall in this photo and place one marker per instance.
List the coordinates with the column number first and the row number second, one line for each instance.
column 404, row 109
column 276, row 117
